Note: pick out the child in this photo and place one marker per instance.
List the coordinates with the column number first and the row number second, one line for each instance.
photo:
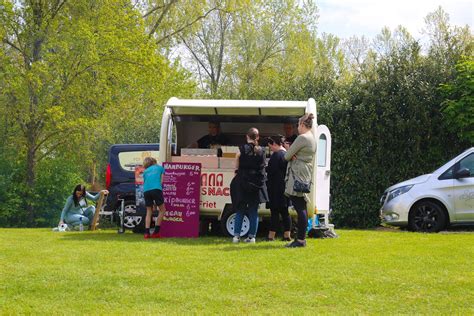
column 153, row 192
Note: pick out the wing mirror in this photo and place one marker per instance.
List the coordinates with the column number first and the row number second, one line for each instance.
column 462, row 173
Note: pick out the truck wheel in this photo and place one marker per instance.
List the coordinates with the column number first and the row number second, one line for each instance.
column 130, row 219
column 427, row 217
column 228, row 222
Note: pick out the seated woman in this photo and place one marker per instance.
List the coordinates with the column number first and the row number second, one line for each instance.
column 76, row 209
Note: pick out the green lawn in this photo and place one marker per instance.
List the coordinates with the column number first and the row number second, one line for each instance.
column 368, row 272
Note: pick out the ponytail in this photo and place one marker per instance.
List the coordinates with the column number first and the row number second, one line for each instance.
column 253, row 135
column 307, row 120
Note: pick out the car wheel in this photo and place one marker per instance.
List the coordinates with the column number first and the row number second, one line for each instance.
column 130, row 219
column 427, row 217
column 228, row 222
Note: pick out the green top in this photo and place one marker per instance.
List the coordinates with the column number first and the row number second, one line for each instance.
column 304, row 147
column 70, row 208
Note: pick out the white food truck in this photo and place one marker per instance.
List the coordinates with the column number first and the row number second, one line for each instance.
column 186, row 120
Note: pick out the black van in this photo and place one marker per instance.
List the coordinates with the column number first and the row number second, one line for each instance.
column 120, row 180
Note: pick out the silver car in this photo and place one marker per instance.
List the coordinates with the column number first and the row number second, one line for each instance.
column 430, row 202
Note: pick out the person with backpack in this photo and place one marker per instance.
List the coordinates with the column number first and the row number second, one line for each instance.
column 248, row 188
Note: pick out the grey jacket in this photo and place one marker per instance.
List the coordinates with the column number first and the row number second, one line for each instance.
column 304, row 147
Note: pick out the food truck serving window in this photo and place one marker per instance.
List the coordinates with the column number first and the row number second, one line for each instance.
column 130, row 159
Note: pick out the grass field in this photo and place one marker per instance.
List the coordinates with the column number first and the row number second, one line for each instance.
column 368, row 272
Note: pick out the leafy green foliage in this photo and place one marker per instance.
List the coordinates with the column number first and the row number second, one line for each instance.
column 78, row 76
column 459, row 103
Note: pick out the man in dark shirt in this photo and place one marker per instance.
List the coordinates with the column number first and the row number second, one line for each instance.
column 215, row 137
column 290, row 134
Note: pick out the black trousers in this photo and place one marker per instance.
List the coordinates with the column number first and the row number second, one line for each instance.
column 275, row 219
column 300, row 206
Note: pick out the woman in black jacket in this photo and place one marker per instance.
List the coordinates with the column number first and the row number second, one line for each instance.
column 248, row 189
column 278, row 202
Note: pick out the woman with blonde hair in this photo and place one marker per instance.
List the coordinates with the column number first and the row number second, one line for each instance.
column 299, row 174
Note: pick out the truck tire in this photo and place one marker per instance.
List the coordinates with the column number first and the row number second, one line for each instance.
column 131, row 220
column 228, row 222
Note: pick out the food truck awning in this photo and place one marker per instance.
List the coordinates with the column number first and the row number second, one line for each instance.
column 182, row 107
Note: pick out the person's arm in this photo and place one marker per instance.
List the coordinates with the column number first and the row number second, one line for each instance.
column 66, row 208
column 92, row 197
column 237, row 156
column 295, row 148
column 162, row 174
column 272, row 165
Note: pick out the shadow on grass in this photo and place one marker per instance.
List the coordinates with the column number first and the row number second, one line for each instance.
column 138, row 238
column 450, row 229
column 200, row 241
column 255, row 247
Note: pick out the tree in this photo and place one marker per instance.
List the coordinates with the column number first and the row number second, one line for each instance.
column 208, row 48
column 167, row 20
column 459, row 104
column 67, row 67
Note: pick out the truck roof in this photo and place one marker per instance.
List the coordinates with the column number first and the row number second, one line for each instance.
column 236, row 107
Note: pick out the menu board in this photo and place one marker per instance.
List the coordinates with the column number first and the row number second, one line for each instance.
column 181, row 191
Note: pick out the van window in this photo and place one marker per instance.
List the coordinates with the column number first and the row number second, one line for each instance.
column 322, row 144
column 468, row 163
column 130, row 159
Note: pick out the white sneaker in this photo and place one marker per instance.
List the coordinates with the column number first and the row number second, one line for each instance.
column 250, row 240
column 236, row 239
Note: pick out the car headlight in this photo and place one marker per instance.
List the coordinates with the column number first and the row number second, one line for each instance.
column 398, row 191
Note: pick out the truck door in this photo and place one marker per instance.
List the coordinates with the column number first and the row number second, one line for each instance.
column 323, row 168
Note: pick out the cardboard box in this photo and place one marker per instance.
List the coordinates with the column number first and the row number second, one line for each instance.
column 227, row 163
column 207, row 162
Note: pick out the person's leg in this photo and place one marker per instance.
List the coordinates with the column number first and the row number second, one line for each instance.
column 274, row 222
column 75, row 220
column 253, row 217
column 285, row 217
column 239, row 217
column 89, row 212
column 149, row 212
column 159, row 219
column 160, row 201
column 300, row 205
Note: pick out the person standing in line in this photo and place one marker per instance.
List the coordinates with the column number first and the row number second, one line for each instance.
column 278, row 202
column 153, row 193
column 300, row 169
column 248, row 188
column 290, row 133
column 76, row 209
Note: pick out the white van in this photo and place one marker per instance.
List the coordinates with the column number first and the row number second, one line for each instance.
column 431, row 202
column 185, row 121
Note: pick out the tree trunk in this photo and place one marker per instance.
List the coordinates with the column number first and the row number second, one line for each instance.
column 30, row 178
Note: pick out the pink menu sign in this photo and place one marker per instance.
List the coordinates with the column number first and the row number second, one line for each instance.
column 181, row 190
